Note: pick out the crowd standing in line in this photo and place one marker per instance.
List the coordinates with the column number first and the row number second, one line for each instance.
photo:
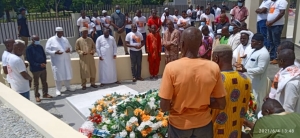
column 223, row 62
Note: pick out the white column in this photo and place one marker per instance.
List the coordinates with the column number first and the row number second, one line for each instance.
column 296, row 36
column 75, row 17
column 252, row 5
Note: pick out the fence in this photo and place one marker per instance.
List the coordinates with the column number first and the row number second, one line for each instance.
column 41, row 24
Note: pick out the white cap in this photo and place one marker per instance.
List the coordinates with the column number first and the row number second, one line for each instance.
column 19, row 41
column 219, row 31
column 59, row 29
column 84, row 29
column 166, row 8
column 104, row 11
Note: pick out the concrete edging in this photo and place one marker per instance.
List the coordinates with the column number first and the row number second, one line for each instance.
column 46, row 124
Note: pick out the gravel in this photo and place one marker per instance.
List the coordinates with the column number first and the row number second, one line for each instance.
column 14, row 126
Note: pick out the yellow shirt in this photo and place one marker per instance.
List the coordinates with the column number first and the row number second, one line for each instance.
column 228, row 122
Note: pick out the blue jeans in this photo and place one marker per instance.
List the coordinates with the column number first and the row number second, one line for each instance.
column 262, row 28
column 127, row 30
column 274, row 36
column 26, row 95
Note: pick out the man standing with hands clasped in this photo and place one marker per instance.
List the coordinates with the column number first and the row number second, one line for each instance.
column 118, row 21
column 37, row 60
column 135, row 41
column 59, row 49
column 85, row 47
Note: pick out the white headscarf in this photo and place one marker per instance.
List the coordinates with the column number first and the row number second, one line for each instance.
column 250, row 35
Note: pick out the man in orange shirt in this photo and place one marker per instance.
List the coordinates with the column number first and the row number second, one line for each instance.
column 190, row 87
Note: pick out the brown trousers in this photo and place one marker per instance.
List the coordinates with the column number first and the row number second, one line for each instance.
column 43, row 76
column 201, row 132
column 92, row 80
column 122, row 36
column 25, row 39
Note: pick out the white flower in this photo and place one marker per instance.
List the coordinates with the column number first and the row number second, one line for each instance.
column 152, row 118
column 152, row 105
column 132, row 135
column 133, row 120
column 155, row 136
column 104, row 127
column 156, row 125
column 107, row 121
column 114, row 114
column 152, row 99
column 114, row 127
column 143, row 124
column 122, row 115
column 123, row 134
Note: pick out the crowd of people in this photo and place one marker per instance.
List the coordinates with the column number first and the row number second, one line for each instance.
column 206, row 88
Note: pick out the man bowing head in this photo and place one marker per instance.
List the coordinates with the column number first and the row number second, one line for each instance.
column 85, row 48
column 59, row 48
column 107, row 51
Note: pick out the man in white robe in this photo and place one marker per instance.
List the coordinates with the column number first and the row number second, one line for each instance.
column 59, row 48
column 234, row 39
column 255, row 66
column 107, row 51
column 243, row 49
column 288, row 82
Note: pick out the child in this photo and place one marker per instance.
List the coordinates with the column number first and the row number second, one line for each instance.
column 205, row 49
column 154, row 49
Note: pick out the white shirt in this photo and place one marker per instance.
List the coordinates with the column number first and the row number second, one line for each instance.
column 105, row 20
column 128, row 26
column 4, row 58
column 97, row 22
column 199, row 13
column 264, row 4
column 91, row 27
column 209, row 18
column 217, row 11
column 189, row 12
column 209, row 28
column 15, row 67
column 140, row 23
column 187, row 20
column 164, row 28
column 83, row 22
column 134, row 39
column 274, row 11
column 176, row 18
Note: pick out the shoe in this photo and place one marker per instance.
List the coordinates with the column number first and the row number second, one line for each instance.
column 274, row 62
column 140, row 79
column 37, row 99
column 47, row 96
column 118, row 82
column 83, row 87
column 70, row 89
column 156, row 77
column 58, row 93
column 134, row 80
column 94, row 86
column 126, row 53
column 151, row 77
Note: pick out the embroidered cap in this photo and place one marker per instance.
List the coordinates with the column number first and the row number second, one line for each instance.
column 59, row 29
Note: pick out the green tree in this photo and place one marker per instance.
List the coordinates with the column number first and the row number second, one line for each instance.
column 1, row 8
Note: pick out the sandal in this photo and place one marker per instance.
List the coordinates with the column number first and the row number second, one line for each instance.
column 47, row 96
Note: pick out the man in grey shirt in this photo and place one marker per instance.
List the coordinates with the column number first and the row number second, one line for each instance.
column 118, row 20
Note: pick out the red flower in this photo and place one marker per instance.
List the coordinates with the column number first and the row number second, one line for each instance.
column 96, row 118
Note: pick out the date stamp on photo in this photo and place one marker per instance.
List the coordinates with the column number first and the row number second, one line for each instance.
column 276, row 130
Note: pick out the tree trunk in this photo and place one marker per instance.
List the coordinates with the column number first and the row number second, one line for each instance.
column 56, row 10
column 8, row 19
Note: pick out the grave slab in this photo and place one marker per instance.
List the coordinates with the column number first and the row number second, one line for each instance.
column 83, row 102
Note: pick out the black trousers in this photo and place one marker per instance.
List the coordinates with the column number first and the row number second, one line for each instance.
column 136, row 63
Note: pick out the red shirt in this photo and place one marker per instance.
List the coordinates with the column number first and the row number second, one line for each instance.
column 154, row 21
column 218, row 19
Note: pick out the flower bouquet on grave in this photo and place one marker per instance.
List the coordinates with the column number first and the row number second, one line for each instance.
column 130, row 117
column 250, row 115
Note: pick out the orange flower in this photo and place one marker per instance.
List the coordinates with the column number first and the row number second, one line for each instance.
column 145, row 118
column 110, row 111
column 148, row 130
column 99, row 108
column 144, row 133
column 164, row 123
column 128, row 128
column 136, row 123
column 137, row 111
column 100, row 102
column 160, row 116
column 93, row 110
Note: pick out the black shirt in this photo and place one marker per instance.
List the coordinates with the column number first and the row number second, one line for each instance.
column 22, row 21
column 221, row 25
column 35, row 55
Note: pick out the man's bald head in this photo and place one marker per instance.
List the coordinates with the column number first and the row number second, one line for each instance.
column 225, row 31
column 286, row 57
column 18, row 47
column 286, row 45
column 271, row 106
column 222, row 55
column 190, row 42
